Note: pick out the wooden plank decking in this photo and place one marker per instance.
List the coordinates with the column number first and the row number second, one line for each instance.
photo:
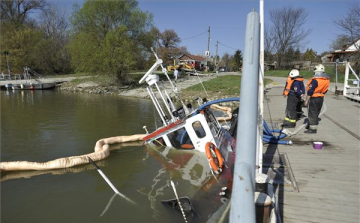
column 328, row 179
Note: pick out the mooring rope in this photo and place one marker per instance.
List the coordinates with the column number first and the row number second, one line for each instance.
column 178, row 200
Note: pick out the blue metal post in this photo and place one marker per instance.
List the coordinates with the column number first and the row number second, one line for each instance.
column 242, row 199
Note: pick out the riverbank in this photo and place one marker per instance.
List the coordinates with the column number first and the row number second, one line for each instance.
column 140, row 92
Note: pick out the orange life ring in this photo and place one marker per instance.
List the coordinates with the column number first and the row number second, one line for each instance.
column 216, row 163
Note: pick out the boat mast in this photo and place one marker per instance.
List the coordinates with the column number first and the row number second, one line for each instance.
column 259, row 147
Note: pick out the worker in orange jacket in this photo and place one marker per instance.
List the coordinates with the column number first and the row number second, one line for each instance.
column 294, row 90
column 316, row 90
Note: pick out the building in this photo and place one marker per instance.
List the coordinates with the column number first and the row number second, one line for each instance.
column 198, row 62
column 348, row 52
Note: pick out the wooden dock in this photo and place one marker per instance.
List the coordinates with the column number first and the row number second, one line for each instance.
column 327, row 179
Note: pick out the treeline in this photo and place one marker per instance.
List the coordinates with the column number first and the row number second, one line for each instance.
column 100, row 37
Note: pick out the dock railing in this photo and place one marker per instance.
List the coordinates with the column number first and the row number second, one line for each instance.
column 352, row 89
column 242, row 199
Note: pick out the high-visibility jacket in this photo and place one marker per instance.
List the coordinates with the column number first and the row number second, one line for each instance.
column 322, row 86
column 289, row 82
column 287, row 86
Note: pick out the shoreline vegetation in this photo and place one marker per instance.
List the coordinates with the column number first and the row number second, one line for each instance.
column 224, row 85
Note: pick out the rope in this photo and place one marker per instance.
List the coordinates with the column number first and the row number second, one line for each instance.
column 177, row 198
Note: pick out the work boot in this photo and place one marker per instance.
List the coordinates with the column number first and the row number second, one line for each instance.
column 311, row 131
column 285, row 124
column 289, row 124
column 300, row 115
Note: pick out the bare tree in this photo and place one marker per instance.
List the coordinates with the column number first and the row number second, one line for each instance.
column 286, row 31
column 54, row 26
column 53, row 21
column 16, row 11
column 225, row 60
column 349, row 24
column 340, row 42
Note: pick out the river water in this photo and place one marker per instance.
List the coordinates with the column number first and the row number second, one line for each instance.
column 45, row 125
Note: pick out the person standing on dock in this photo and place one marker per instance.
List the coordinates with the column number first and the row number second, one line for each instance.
column 176, row 73
column 316, row 90
column 294, row 90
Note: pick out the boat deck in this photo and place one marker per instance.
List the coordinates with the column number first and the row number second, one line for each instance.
column 328, row 179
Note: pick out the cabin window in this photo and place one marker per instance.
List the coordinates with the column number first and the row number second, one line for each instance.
column 199, row 130
column 180, row 139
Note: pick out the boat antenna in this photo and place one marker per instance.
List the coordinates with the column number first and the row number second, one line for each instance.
column 178, row 200
column 196, row 73
column 163, row 69
column 109, row 182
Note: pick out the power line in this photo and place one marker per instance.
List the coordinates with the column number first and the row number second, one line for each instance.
column 235, row 28
column 194, row 36
column 228, row 46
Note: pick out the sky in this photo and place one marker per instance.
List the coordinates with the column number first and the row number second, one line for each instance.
column 190, row 19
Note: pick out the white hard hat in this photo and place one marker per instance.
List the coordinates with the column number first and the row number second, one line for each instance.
column 294, row 73
column 319, row 68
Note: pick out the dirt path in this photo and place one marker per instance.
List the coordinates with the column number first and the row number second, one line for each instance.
column 182, row 83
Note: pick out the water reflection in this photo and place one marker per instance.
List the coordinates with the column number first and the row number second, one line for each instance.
column 44, row 125
column 188, row 169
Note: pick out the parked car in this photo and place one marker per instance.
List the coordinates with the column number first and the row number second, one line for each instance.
column 224, row 69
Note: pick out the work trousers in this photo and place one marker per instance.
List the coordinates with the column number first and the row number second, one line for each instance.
column 299, row 107
column 314, row 109
column 291, row 106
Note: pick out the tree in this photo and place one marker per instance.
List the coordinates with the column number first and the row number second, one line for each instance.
column 310, row 55
column 340, row 42
column 108, row 37
column 236, row 61
column 225, row 60
column 289, row 56
column 18, row 34
column 286, row 31
column 169, row 48
column 297, row 54
column 16, row 11
column 169, row 39
column 349, row 24
column 21, row 44
column 53, row 24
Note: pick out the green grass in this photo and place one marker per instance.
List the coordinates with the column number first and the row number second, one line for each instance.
column 330, row 71
column 224, row 86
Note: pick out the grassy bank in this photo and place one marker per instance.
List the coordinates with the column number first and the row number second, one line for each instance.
column 221, row 87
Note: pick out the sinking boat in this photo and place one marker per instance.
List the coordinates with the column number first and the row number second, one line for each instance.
column 198, row 129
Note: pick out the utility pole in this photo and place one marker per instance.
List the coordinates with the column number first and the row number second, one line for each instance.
column 207, row 54
column 208, row 40
column 216, row 57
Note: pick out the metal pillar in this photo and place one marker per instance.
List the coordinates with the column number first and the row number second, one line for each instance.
column 259, row 147
column 242, row 199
